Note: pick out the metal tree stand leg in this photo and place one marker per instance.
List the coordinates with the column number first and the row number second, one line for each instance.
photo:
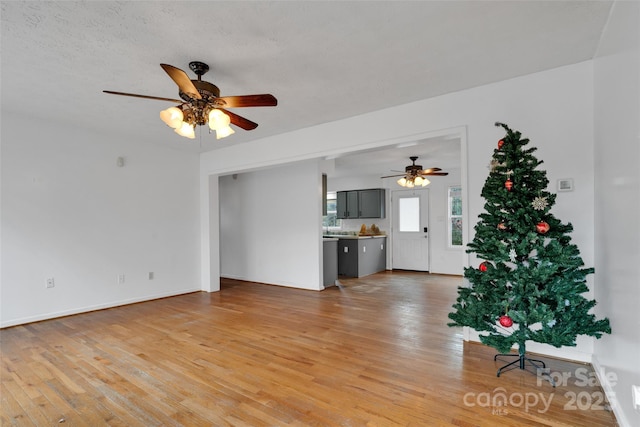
column 521, row 362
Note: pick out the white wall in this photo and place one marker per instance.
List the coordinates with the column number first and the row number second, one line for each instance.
column 617, row 177
column 268, row 218
column 70, row 213
column 443, row 259
column 553, row 108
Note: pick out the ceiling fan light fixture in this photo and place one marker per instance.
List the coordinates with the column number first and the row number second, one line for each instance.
column 415, row 176
column 201, row 104
column 410, row 181
column 187, row 130
column 172, row 117
column 218, row 120
column 224, row 132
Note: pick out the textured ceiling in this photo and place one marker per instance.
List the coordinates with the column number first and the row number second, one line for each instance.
column 324, row 60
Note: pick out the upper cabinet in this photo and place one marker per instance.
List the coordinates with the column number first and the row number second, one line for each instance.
column 361, row 203
column 371, row 203
column 347, row 204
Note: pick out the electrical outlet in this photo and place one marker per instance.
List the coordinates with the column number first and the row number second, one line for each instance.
column 151, row 275
column 636, row 396
column 50, row 282
column 120, row 279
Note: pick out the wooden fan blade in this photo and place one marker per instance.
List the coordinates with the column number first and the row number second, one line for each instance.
column 240, row 121
column 143, row 96
column 428, row 171
column 263, row 100
column 435, row 174
column 393, row 176
column 182, row 80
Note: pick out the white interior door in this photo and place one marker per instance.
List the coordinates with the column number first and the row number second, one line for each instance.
column 410, row 237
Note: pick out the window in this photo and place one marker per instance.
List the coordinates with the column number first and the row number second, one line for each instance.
column 330, row 220
column 409, row 214
column 455, row 217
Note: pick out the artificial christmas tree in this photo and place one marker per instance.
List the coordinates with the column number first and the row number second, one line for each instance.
column 529, row 286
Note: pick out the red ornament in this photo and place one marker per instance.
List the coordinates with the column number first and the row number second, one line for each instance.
column 506, row 321
column 502, row 226
column 508, row 184
column 483, row 267
column 542, row 227
column 500, row 143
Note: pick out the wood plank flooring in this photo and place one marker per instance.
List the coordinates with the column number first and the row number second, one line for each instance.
column 374, row 351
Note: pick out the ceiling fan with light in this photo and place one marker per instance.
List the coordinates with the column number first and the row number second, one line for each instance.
column 202, row 104
column 415, row 176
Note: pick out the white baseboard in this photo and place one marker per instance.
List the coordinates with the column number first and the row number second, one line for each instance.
column 48, row 316
column 569, row 353
column 278, row 282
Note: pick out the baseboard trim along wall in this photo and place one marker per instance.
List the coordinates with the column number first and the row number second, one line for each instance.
column 48, row 316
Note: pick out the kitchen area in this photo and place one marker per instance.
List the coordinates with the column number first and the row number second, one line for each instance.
column 353, row 252
column 272, row 229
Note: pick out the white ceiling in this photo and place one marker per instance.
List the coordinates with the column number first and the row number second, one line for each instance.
column 323, row 60
column 442, row 152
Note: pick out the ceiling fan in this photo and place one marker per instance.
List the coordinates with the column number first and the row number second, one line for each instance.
column 415, row 176
column 201, row 103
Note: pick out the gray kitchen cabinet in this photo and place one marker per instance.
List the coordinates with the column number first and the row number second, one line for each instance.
column 347, row 204
column 372, row 256
column 348, row 257
column 361, row 204
column 362, row 257
column 330, row 263
column 371, row 203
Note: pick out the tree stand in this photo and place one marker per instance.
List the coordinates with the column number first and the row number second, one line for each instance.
column 521, row 362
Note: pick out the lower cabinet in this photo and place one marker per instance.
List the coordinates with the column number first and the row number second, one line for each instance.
column 361, row 257
column 348, row 257
column 330, row 263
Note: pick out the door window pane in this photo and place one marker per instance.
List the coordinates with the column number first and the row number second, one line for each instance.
column 409, row 214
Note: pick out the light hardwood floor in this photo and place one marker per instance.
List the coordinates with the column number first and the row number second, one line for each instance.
column 374, row 351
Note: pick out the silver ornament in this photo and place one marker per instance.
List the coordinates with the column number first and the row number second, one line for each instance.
column 540, row 203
